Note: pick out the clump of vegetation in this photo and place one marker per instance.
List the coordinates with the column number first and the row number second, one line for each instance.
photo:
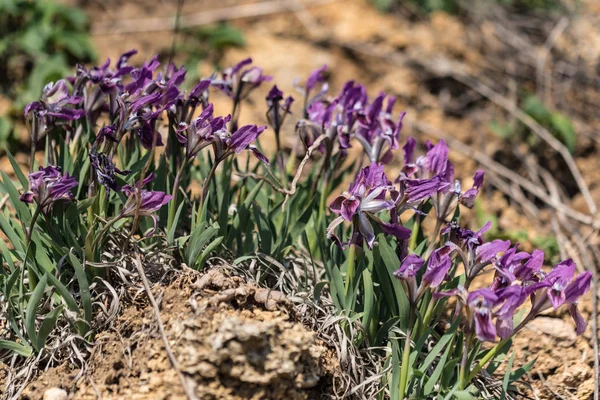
column 39, row 41
column 556, row 122
column 125, row 147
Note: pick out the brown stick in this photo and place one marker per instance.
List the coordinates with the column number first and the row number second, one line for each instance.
column 142, row 25
column 188, row 390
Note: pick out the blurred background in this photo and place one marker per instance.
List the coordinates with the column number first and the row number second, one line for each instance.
column 512, row 85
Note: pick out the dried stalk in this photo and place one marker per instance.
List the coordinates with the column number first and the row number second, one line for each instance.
column 145, row 25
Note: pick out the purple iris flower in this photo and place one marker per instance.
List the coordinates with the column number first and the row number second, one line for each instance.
column 416, row 190
column 407, row 273
column 558, row 288
column 317, row 76
column 531, row 269
column 47, row 186
column 468, row 197
column 481, row 304
column 149, row 201
column 101, row 85
column 208, row 130
column 238, row 82
column 56, row 106
column 199, row 94
column 107, row 132
column 510, row 298
column 377, row 132
column 437, row 267
column 365, row 198
column 201, row 132
column 55, row 102
column 338, row 118
column 242, row 139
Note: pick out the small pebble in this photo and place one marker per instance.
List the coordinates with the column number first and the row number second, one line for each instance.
column 55, row 394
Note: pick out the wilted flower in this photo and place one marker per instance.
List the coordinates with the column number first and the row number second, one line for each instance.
column 278, row 109
column 47, row 186
column 105, row 170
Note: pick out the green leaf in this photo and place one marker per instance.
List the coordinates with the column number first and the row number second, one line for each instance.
column 506, row 380
column 48, row 324
column 504, row 131
column 517, row 374
column 8, row 230
column 368, row 299
column 171, row 232
column 17, row 169
column 533, row 106
column 437, row 349
column 64, row 293
column 84, row 290
column 83, row 205
column 463, row 395
column 22, row 209
column 437, row 372
column 19, row 348
column 8, row 257
column 565, row 130
column 208, row 250
column 31, row 310
column 199, row 238
column 391, row 262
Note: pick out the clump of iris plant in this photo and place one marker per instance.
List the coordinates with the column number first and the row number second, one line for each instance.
column 435, row 265
column 122, row 142
column 454, row 257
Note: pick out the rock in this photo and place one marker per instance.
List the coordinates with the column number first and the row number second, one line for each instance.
column 55, row 394
column 557, row 328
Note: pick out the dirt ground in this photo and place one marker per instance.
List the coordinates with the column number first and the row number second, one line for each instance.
column 222, row 343
column 231, row 341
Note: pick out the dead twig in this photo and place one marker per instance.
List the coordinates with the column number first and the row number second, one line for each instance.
column 144, row 25
column 544, row 89
column 140, row 269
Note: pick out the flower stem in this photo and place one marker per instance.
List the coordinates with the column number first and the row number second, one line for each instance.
column 34, row 218
column 488, row 356
column 405, row 367
column 427, row 318
column 206, row 183
column 463, row 363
